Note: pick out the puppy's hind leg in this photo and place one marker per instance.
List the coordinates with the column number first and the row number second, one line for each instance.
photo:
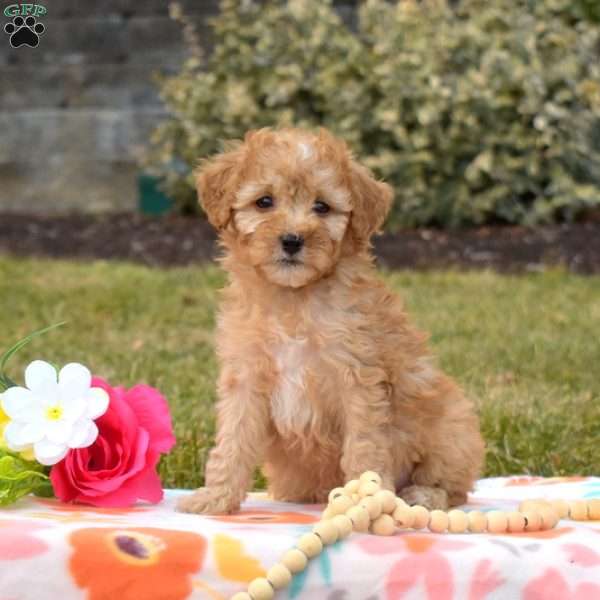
column 452, row 456
column 430, row 497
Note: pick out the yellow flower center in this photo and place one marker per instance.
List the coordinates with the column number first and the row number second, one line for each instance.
column 4, row 420
column 54, row 413
column 2, row 442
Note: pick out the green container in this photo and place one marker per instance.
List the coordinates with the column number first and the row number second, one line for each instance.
column 151, row 199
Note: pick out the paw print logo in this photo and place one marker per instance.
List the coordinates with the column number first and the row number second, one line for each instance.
column 24, row 32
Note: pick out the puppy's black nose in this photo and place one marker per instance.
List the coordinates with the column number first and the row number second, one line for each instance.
column 292, row 243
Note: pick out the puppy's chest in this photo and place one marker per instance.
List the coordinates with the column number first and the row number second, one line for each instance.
column 309, row 368
column 291, row 408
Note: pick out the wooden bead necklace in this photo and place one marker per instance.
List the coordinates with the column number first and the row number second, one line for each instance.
column 361, row 505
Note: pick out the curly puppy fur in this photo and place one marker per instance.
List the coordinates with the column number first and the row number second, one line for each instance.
column 322, row 375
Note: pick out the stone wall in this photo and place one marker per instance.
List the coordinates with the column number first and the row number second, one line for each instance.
column 75, row 110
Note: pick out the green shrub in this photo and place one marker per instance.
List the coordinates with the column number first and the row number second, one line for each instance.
column 580, row 9
column 486, row 112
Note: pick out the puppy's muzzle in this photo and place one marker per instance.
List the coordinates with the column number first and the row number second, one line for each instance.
column 291, row 243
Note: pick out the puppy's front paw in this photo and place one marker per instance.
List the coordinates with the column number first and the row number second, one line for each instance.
column 208, row 501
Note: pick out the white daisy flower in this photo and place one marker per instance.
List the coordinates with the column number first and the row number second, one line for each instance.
column 53, row 413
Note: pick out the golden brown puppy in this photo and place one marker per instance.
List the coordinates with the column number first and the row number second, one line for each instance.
column 322, row 375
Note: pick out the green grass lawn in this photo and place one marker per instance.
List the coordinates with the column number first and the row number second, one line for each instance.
column 526, row 348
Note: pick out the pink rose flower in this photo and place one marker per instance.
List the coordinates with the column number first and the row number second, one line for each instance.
column 120, row 466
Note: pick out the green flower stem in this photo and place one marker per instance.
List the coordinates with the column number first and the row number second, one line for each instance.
column 5, row 381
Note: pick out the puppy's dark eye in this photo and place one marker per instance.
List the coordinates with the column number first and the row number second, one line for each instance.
column 265, row 202
column 321, row 208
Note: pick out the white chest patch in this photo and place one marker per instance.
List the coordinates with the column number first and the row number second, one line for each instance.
column 290, row 408
column 305, row 150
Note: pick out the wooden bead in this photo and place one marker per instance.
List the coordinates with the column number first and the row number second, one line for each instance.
column 561, row 507
column 241, row 596
column 404, row 517
column 294, row 560
column 516, row 522
column 279, row 576
column 400, row 502
column 368, row 488
column 335, row 492
column 419, row 515
column 310, row 544
column 360, row 518
column 373, row 506
column 533, row 521
column 343, row 524
column 549, row 517
column 370, row 476
column 387, row 499
column 578, row 510
column 352, row 487
column 261, row 589
column 327, row 531
column 383, row 525
column 457, row 521
column 594, row 509
column 328, row 513
column 477, row 521
column 341, row 504
column 497, row 521
column 438, row 521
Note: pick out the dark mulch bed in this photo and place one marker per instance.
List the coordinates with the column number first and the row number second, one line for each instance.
column 177, row 240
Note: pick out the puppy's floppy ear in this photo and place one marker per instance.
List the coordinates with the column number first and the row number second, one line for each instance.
column 371, row 202
column 216, row 181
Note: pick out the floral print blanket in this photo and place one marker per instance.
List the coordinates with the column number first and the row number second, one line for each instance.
column 50, row 550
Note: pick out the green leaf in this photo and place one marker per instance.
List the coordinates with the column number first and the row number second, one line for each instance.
column 44, row 490
column 19, row 478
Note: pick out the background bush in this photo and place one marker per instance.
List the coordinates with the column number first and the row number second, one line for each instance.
column 476, row 113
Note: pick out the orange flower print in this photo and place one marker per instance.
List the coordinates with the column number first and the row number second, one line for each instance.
column 267, row 517
column 135, row 563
